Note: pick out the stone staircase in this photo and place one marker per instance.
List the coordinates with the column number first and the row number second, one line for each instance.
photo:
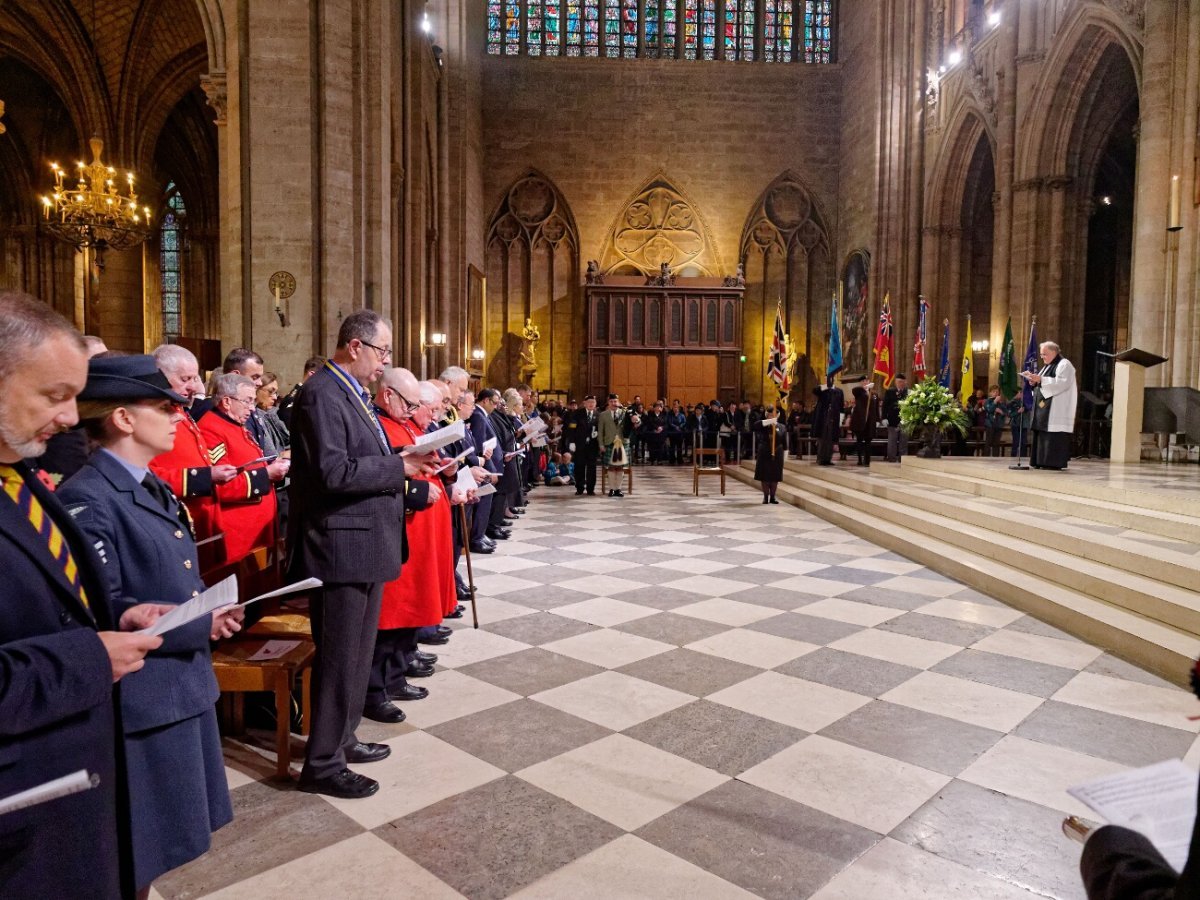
column 1117, row 568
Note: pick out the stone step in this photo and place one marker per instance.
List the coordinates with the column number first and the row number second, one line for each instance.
column 1165, row 649
column 1025, row 529
column 1077, row 491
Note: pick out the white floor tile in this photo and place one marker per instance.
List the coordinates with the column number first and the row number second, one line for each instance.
column 608, row 648
column 967, row 701
column 791, row 701
column 754, row 648
column 1163, row 706
column 613, row 699
column 897, row 648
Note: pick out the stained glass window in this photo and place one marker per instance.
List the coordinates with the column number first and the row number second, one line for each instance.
column 533, row 27
column 777, row 31
column 512, row 28
column 739, row 29
column 170, row 252
column 818, row 31
column 662, row 28
column 591, row 28
column 629, row 29
column 574, row 28
column 495, row 33
column 553, row 25
column 708, row 28
column 612, row 28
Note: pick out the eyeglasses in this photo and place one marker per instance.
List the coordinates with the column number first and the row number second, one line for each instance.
column 409, row 406
column 384, row 352
column 247, row 402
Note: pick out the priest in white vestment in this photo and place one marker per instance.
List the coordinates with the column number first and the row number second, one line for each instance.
column 1055, row 396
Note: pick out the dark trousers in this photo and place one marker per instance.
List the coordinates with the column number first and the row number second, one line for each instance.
column 585, row 475
column 483, row 512
column 1118, row 863
column 862, row 448
column 345, row 620
column 389, row 662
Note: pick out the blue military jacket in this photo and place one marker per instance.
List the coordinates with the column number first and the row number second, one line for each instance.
column 148, row 557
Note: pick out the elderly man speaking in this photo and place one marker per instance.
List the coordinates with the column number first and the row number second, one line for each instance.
column 1054, row 397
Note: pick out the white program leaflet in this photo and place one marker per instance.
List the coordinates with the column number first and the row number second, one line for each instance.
column 455, row 460
column 532, row 427
column 292, row 588
column 50, row 790
column 1159, row 801
column 490, row 444
column 485, row 490
column 436, row 440
column 222, row 594
column 465, row 480
column 273, row 650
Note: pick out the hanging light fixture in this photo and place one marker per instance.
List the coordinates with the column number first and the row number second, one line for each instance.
column 93, row 212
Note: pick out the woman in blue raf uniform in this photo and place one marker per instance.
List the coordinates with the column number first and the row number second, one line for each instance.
column 177, row 788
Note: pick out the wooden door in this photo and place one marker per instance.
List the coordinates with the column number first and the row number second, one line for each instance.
column 632, row 375
column 691, row 378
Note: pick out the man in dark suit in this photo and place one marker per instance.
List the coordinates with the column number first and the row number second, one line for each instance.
column 347, row 528
column 312, row 365
column 864, row 418
column 583, row 443
column 59, row 655
column 479, row 425
column 897, row 445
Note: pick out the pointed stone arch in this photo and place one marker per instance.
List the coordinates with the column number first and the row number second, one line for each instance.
column 660, row 223
column 786, row 253
column 533, row 274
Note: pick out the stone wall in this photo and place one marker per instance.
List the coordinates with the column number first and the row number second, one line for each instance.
column 600, row 129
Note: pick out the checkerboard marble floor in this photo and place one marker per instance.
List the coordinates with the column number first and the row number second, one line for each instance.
column 695, row 698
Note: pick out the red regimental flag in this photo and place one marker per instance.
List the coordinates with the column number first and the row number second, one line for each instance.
column 885, row 344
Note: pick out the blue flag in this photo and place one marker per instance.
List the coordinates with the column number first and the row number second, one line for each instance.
column 944, row 365
column 835, row 342
column 1032, row 363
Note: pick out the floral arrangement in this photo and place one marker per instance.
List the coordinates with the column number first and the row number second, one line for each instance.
column 929, row 405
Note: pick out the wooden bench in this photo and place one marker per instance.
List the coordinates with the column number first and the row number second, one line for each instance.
column 237, row 674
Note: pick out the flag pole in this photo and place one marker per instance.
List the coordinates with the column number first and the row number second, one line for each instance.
column 1021, row 431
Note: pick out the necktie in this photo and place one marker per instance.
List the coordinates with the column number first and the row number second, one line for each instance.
column 157, row 488
column 383, row 438
column 20, row 493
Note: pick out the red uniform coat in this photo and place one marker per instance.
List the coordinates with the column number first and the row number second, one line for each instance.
column 420, row 595
column 187, row 470
column 248, row 505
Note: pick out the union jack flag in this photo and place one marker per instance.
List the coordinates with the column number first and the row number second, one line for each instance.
column 777, row 359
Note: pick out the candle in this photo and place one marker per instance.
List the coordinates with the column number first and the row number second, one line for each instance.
column 1173, row 212
column 277, row 295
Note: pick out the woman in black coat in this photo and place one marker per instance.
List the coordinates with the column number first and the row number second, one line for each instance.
column 178, row 794
column 771, row 438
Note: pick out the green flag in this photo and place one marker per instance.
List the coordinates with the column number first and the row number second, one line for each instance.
column 1008, row 364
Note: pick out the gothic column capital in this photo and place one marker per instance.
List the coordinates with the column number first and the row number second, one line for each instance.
column 215, row 88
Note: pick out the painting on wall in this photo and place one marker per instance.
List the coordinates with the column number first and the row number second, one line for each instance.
column 855, row 311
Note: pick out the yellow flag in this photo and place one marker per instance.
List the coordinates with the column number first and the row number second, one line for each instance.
column 967, row 387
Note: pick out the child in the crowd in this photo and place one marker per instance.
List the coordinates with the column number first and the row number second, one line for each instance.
column 559, row 470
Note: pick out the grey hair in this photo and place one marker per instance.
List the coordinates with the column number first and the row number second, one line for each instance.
column 1053, row 346
column 169, row 357
column 25, row 324
column 453, row 373
column 430, row 392
column 360, row 325
column 227, row 385
column 511, row 397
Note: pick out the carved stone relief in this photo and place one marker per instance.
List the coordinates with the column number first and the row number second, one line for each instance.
column 660, row 225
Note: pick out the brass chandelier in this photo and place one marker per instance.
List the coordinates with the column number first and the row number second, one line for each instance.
column 93, row 213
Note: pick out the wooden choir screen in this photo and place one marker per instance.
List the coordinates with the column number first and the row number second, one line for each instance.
column 689, row 329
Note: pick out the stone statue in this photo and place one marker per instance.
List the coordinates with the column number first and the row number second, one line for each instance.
column 664, row 278
column 528, row 359
column 594, row 275
column 737, row 280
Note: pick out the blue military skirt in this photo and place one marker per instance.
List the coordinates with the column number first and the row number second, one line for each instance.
column 178, row 794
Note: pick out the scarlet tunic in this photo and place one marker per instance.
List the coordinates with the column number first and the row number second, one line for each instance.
column 248, row 506
column 187, row 470
column 420, row 595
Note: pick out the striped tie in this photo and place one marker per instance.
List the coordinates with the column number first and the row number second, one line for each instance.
column 18, row 490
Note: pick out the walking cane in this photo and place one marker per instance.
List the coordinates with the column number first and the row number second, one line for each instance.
column 462, row 519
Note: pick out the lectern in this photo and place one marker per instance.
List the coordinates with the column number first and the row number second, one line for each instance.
column 1129, row 394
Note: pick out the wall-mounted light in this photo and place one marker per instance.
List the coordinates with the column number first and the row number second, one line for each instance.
column 1173, row 223
column 426, row 25
column 994, row 18
column 979, row 346
column 437, row 339
column 1106, row 200
column 477, row 354
column 955, row 57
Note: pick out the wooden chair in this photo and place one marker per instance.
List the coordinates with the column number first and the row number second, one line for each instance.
column 237, row 674
column 706, row 461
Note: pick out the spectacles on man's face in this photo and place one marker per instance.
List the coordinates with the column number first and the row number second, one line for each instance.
column 385, row 353
column 248, row 401
column 409, row 406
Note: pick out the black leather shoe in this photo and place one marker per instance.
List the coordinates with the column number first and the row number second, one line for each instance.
column 386, row 712
column 409, row 692
column 427, row 658
column 460, row 607
column 773, row 500
column 482, row 548
column 463, row 594
column 444, row 631
column 367, row 752
column 345, row 784
column 591, row 493
column 434, row 641
column 498, row 534
column 507, row 523
column 487, row 542
column 519, row 510
column 418, row 670
column 457, row 614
